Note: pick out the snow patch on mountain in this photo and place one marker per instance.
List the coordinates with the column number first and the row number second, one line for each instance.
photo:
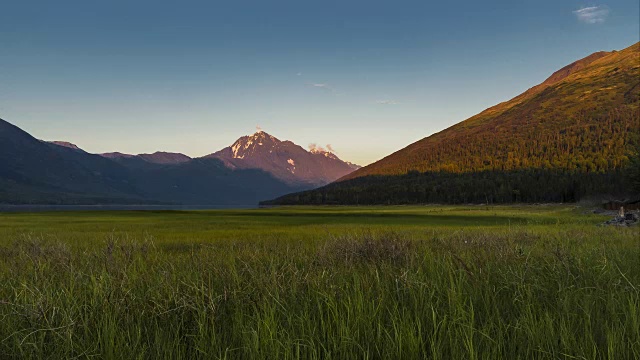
column 235, row 149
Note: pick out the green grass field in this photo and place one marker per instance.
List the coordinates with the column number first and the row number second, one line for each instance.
column 328, row 283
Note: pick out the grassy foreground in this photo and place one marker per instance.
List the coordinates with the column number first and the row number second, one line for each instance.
column 326, row 283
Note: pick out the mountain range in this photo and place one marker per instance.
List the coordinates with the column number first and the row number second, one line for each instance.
column 561, row 140
column 564, row 139
column 33, row 171
column 158, row 157
column 285, row 160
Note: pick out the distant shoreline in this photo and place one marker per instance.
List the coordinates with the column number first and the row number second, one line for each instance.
column 43, row 208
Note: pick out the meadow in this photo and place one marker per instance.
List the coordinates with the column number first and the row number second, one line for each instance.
column 420, row 282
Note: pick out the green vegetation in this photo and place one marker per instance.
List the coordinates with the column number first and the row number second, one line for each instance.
column 560, row 141
column 391, row 282
column 579, row 120
column 633, row 168
column 484, row 187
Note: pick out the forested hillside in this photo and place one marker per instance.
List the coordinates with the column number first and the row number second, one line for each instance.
column 577, row 120
column 562, row 140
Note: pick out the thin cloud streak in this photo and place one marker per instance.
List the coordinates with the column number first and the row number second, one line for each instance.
column 592, row 14
column 387, row 102
column 321, row 86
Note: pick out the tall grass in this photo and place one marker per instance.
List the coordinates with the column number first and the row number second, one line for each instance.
column 502, row 293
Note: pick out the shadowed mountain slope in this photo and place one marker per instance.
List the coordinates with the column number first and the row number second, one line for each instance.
column 158, row 157
column 39, row 172
column 33, row 170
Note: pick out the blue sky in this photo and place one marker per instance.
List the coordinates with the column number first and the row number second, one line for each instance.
column 367, row 77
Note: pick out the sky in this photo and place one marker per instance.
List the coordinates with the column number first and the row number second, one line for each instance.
column 367, row 77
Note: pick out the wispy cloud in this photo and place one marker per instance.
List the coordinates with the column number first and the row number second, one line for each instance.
column 387, row 102
column 592, row 14
column 321, row 86
column 315, row 148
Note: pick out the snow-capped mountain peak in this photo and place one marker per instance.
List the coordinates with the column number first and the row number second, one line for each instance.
column 284, row 159
column 247, row 145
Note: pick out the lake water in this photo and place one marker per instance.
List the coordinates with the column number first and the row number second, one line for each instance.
column 39, row 208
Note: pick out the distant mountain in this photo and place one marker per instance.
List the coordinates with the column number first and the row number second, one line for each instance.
column 328, row 154
column 117, row 155
column 158, row 157
column 38, row 172
column 561, row 140
column 161, row 157
column 133, row 162
column 66, row 144
column 33, row 171
column 209, row 182
column 284, row 160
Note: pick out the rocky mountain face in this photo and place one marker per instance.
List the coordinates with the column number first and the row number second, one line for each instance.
column 284, row 160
